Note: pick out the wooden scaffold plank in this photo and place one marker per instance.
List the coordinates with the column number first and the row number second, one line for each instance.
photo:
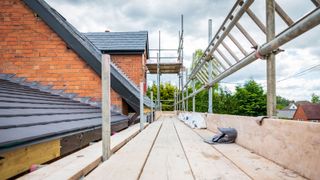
column 167, row 159
column 128, row 162
column 206, row 162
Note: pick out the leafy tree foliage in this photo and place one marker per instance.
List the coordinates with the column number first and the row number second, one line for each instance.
column 282, row 102
column 250, row 99
column 315, row 98
column 166, row 93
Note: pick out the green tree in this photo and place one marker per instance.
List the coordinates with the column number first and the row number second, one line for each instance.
column 166, row 93
column 250, row 99
column 282, row 102
column 315, row 98
column 223, row 101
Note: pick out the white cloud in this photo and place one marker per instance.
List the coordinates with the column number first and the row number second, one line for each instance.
column 121, row 15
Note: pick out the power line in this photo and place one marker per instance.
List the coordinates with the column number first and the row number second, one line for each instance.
column 297, row 74
column 301, row 73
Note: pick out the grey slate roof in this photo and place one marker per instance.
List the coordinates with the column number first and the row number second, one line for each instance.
column 29, row 115
column 87, row 51
column 119, row 42
column 287, row 113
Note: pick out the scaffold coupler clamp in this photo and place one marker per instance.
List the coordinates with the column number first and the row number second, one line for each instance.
column 207, row 86
column 260, row 56
column 208, row 58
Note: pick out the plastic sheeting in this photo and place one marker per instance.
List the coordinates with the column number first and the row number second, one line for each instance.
column 194, row 120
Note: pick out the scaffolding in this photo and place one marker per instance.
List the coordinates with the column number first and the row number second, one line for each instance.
column 165, row 65
column 222, row 66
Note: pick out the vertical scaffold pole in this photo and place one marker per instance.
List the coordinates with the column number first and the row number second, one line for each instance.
column 151, row 95
column 106, row 101
column 194, row 97
column 210, row 68
column 193, row 89
column 187, row 93
column 271, row 69
column 158, row 80
column 182, row 89
column 141, row 107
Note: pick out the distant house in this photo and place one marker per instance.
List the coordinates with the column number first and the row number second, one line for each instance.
column 308, row 112
column 294, row 105
column 291, row 106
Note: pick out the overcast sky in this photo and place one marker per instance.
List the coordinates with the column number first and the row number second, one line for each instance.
column 296, row 80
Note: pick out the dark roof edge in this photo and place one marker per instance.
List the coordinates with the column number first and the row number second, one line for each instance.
column 75, row 40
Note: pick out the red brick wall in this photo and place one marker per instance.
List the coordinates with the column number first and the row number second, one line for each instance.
column 132, row 65
column 29, row 48
column 116, row 99
column 300, row 115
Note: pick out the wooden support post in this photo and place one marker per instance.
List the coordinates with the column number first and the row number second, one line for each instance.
column 106, row 101
column 151, row 94
column 271, row 67
column 141, row 107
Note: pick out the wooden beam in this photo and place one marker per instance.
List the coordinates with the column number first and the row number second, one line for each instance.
column 20, row 160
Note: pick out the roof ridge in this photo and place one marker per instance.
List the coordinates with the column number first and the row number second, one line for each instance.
column 48, row 88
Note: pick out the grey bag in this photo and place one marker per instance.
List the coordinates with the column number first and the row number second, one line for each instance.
column 226, row 135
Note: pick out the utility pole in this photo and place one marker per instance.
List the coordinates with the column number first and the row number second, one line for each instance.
column 210, row 68
column 106, row 107
column 271, row 68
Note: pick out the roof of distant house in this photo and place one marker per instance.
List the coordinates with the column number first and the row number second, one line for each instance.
column 302, row 102
column 120, row 42
column 287, row 113
column 32, row 113
column 312, row 111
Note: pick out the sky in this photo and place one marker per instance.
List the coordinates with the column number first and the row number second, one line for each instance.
column 297, row 68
